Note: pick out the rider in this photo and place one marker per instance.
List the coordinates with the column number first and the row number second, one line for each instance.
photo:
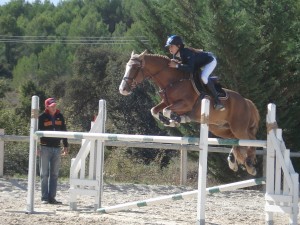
column 191, row 61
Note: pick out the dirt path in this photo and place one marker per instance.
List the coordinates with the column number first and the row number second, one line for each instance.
column 242, row 207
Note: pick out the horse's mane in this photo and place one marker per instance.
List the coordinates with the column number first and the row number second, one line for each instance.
column 159, row 56
column 154, row 55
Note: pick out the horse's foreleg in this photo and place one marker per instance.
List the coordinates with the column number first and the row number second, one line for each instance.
column 156, row 113
column 175, row 117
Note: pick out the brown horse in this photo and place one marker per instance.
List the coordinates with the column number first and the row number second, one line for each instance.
column 181, row 104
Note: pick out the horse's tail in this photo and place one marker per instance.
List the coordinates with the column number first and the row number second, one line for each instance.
column 254, row 119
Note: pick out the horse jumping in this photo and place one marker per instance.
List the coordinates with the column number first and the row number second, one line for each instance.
column 180, row 103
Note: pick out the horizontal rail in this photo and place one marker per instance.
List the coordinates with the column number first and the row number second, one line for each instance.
column 132, row 144
column 211, row 190
column 118, row 137
column 149, row 138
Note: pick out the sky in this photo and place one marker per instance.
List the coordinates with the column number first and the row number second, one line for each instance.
column 55, row 2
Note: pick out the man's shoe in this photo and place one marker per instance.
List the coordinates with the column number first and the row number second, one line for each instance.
column 45, row 202
column 54, row 202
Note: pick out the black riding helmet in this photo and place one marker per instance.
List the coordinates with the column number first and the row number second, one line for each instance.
column 174, row 40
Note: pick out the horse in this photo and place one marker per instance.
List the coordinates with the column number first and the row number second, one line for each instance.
column 181, row 103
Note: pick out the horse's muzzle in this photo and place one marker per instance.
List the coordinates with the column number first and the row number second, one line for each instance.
column 123, row 88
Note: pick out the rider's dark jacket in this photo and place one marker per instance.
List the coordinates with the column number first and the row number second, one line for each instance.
column 192, row 61
column 55, row 123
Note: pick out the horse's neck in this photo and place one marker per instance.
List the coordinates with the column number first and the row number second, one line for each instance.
column 160, row 72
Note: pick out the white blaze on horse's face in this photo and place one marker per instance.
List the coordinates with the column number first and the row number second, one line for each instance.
column 123, row 88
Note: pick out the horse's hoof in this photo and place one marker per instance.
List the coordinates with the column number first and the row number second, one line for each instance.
column 232, row 163
column 231, row 157
column 250, row 167
column 233, row 167
column 175, row 117
column 252, row 171
column 171, row 123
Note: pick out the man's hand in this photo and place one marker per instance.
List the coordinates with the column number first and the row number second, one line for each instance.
column 65, row 151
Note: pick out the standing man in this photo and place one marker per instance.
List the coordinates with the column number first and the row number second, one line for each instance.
column 50, row 151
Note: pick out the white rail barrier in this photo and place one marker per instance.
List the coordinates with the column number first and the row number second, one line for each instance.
column 276, row 201
column 181, row 196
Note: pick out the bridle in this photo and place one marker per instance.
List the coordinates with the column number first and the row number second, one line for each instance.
column 133, row 80
column 140, row 68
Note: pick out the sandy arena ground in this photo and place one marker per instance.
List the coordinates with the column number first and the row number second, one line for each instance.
column 241, row 207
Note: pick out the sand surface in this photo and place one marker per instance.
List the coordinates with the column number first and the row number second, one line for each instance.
column 242, row 207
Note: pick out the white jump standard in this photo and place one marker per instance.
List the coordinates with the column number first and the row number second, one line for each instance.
column 281, row 181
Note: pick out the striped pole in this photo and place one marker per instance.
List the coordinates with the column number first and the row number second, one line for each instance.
column 154, row 201
column 149, row 138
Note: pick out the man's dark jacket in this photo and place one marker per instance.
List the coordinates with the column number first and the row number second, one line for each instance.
column 56, row 123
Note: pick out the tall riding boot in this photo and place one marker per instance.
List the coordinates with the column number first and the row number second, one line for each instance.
column 218, row 105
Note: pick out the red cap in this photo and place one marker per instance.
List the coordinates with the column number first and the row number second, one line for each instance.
column 50, row 102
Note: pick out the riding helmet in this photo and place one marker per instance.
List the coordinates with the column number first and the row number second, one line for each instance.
column 174, row 40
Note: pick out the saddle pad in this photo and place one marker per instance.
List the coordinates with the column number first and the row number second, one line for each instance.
column 201, row 88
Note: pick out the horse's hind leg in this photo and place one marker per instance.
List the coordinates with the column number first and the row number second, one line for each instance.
column 232, row 162
column 246, row 156
column 251, row 160
column 226, row 133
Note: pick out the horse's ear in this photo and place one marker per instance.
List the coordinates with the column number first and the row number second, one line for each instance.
column 141, row 56
column 144, row 52
column 132, row 53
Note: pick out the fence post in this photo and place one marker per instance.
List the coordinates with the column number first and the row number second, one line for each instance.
column 100, row 154
column 32, row 153
column 183, row 166
column 202, row 174
column 1, row 154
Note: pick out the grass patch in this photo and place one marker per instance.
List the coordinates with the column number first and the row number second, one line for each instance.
column 120, row 168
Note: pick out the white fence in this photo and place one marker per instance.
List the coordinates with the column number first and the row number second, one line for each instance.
column 282, row 183
column 281, row 180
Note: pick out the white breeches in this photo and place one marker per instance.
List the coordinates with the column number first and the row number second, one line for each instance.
column 207, row 70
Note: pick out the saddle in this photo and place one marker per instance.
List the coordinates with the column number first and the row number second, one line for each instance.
column 203, row 91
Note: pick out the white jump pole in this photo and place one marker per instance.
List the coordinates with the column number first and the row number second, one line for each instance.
column 1, row 154
column 202, row 174
column 100, row 154
column 181, row 196
column 148, row 138
column 32, row 154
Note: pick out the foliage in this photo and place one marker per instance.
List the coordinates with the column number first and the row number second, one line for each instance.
column 120, row 167
column 28, row 90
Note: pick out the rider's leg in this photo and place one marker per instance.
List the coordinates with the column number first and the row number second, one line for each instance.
column 218, row 105
column 207, row 70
